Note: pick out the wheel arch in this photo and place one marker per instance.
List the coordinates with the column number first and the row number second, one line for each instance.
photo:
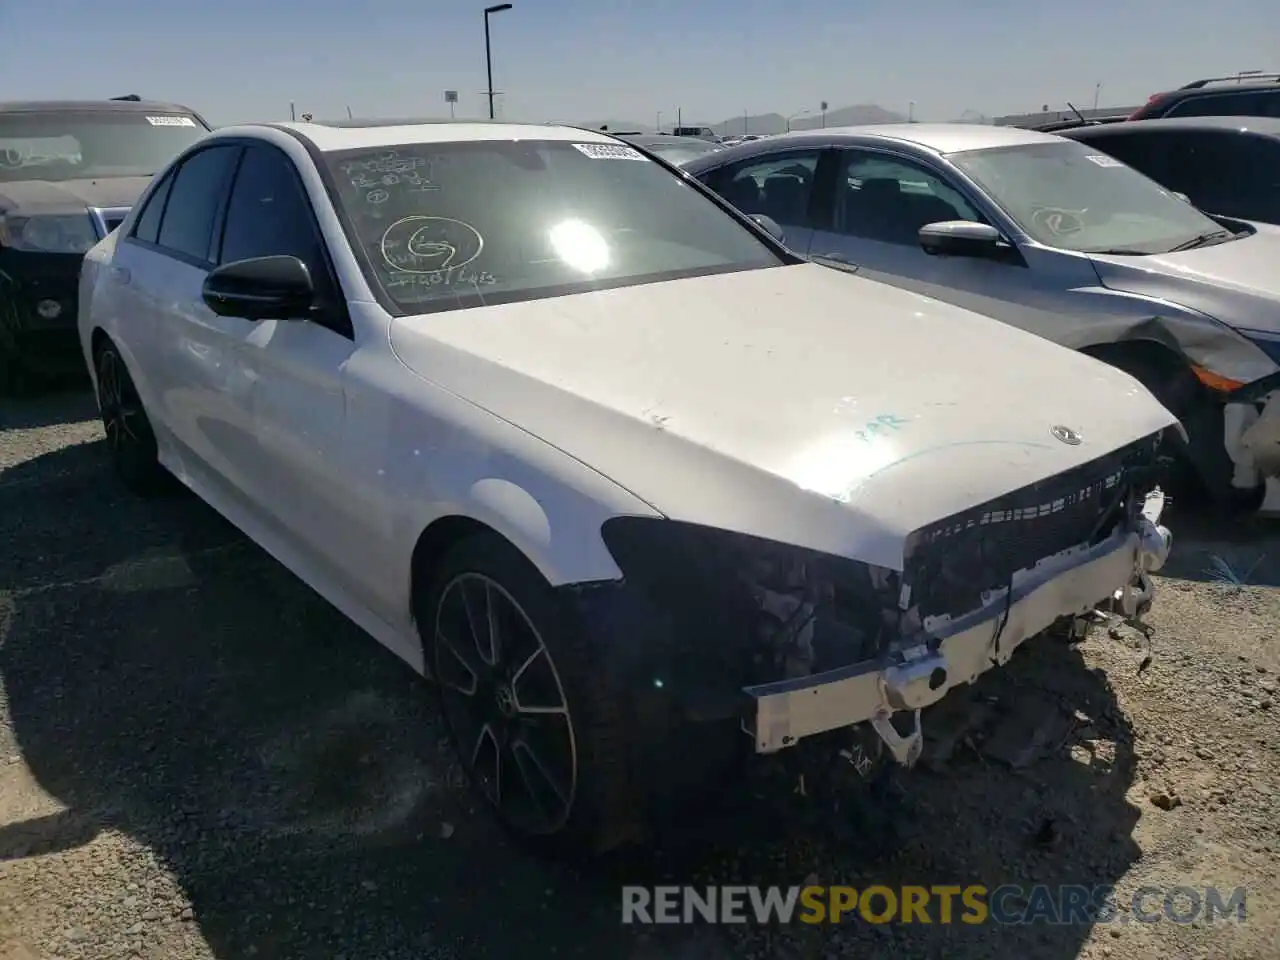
column 97, row 339
column 433, row 543
column 1157, row 355
column 508, row 512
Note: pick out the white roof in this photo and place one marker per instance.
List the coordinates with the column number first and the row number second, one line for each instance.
column 347, row 135
column 939, row 137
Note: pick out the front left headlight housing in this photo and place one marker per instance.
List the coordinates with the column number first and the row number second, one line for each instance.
column 755, row 608
column 61, row 233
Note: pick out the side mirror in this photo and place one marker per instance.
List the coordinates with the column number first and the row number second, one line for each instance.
column 263, row 288
column 770, row 226
column 960, row 238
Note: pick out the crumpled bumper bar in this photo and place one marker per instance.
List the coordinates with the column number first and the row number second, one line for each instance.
column 1087, row 548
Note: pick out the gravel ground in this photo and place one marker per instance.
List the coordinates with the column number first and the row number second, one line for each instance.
column 200, row 758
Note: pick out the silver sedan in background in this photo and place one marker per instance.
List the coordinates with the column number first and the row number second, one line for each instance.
column 1057, row 238
column 675, row 150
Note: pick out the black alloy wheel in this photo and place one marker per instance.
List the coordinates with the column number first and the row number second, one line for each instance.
column 131, row 443
column 505, row 704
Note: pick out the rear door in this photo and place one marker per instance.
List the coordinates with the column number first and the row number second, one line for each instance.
column 183, row 350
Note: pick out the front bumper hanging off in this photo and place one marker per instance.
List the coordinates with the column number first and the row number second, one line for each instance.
column 1111, row 575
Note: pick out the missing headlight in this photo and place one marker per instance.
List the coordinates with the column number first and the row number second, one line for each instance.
column 753, row 609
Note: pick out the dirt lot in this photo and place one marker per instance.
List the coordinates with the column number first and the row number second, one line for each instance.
column 200, row 758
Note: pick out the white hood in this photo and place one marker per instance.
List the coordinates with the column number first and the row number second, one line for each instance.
column 798, row 403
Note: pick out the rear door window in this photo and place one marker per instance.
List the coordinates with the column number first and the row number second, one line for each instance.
column 147, row 227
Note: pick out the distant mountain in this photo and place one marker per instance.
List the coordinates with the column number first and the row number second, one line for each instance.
column 771, row 122
column 777, row 123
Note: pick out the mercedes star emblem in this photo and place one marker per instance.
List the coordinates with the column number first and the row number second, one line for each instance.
column 1065, row 434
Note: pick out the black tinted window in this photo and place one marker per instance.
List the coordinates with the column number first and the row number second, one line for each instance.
column 1225, row 173
column 1251, row 103
column 779, row 185
column 148, row 224
column 268, row 214
column 194, row 200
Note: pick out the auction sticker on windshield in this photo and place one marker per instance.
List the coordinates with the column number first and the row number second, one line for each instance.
column 171, row 121
column 1105, row 161
column 609, row 151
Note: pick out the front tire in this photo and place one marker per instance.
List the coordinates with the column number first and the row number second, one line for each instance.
column 1203, row 468
column 526, row 704
column 131, row 443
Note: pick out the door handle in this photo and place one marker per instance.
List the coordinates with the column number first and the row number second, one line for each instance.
column 838, row 257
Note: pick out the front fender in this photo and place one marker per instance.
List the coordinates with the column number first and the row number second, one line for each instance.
column 1200, row 339
column 439, row 455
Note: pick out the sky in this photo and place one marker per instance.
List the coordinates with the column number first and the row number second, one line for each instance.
column 582, row 60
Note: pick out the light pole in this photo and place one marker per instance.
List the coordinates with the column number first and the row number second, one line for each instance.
column 911, row 111
column 1097, row 92
column 800, row 113
column 488, row 56
column 823, row 107
column 657, row 126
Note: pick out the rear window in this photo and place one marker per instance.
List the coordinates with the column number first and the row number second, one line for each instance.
column 457, row 225
column 81, row 145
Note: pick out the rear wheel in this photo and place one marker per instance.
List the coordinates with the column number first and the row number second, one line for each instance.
column 528, row 710
column 14, row 381
column 130, row 440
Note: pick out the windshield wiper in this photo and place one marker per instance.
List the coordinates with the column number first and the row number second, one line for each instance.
column 833, row 260
column 1203, row 240
column 1121, row 252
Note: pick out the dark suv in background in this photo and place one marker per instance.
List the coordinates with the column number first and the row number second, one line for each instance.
column 1244, row 95
column 69, row 172
column 1226, row 166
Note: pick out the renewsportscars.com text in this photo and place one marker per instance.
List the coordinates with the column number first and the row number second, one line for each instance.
column 937, row 904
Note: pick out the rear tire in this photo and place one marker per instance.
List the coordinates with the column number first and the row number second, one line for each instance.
column 131, row 442
column 526, row 702
column 14, row 380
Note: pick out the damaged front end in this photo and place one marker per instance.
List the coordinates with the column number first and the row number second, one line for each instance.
column 797, row 643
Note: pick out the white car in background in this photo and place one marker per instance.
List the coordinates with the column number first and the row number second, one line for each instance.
column 639, row 488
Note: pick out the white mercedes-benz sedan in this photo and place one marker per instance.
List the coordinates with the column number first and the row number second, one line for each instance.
column 639, row 489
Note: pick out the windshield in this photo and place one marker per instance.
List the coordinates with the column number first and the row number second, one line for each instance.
column 70, row 145
column 1071, row 196
column 455, row 225
column 681, row 153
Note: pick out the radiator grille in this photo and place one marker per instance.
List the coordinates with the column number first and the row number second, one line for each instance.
column 950, row 564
